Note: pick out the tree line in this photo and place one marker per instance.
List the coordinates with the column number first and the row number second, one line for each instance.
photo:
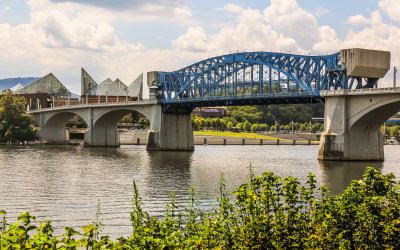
column 228, row 123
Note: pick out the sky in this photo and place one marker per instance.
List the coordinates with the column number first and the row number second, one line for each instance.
column 124, row 38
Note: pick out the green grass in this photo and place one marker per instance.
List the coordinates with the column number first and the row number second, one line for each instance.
column 239, row 134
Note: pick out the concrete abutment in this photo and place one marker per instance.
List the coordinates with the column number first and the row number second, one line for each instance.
column 352, row 123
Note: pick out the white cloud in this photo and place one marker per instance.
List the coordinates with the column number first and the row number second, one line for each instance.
column 357, row 20
column 320, row 12
column 283, row 25
column 7, row 8
column 391, row 8
column 194, row 40
column 136, row 10
column 230, row 7
column 61, row 37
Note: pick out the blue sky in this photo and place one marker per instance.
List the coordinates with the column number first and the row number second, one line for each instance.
column 123, row 38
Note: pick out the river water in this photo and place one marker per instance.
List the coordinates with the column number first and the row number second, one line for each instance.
column 63, row 183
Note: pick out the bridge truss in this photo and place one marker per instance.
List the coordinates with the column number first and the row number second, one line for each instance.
column 254, row 78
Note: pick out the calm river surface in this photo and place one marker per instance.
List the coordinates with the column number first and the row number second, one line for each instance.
column 63, row 183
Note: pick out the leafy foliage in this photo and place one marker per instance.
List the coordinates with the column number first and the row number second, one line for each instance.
column 15, row 125
column 268, row 212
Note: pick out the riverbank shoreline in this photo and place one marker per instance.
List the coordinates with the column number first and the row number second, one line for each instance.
column 139, row 137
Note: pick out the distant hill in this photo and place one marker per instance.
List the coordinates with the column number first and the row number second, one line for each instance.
column 73, row 95
column 11, row 82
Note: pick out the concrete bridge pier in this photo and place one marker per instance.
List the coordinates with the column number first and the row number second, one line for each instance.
column 352, row 123
column 171, row 130
column 53, row 131
column 103, row 132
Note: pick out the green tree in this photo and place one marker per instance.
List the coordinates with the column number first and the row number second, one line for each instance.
column 287, row 127
column 125, row 119
column 213, row 124
column 208, row 123
column 247, row 126
column 243, row 113
column 263, row 127
column 239, row 126
column 322, row 128
column 15, row 124
column 303, row 128
column 144, row 123
column 396, row 135
column 81, row 123
column 197, row 123
column 315, row 127
column 203, row 123
column 229, row 126
column 222, row 125
column 228, row 119
column 254, row 127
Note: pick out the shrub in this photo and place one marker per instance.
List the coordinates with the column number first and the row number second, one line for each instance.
column 268, row 212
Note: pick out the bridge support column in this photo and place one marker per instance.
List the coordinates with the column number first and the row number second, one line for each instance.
column 105, row 133
column 347, row 138
column 171, row 130
column 54, row 131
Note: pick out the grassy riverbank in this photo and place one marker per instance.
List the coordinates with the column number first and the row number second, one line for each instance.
column 245, row 135
column 268, row 212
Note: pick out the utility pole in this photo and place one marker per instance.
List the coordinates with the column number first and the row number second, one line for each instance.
column 292, row 127
column 394, row 77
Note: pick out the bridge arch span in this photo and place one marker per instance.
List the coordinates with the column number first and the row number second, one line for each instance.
column 376, row 113
column 53, row 125
column 104, row 132
column 228, row 76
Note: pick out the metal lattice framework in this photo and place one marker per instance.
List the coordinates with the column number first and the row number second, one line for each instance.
column 254, row 78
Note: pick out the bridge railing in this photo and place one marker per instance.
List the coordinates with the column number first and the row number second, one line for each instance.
column 239, row 97
column 145, row 101
column 360, row 91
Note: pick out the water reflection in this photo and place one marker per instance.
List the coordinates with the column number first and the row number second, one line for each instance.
column 62, row 183
column 337, row 175
column 167, row 171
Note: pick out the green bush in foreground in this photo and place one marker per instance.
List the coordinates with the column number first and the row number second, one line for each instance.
column 267, row 213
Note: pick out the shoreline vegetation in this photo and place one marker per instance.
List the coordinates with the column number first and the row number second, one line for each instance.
column 267, row 212
column 246, row 135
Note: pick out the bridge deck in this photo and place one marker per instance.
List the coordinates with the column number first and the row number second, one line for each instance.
column 368, row 91
column 93, row 105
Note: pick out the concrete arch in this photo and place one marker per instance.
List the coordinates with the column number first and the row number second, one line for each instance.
column 364, row 127
column 104, row 130
column 53, row 126
column 170, row 130
column 375, row 114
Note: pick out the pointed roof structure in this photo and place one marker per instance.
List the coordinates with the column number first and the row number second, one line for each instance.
column 120, row 84
column 136, row 87
column 87, row 83
column 48, row 84
column 110, row 87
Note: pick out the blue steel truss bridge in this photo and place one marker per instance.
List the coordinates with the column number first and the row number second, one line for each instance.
column 255, row 78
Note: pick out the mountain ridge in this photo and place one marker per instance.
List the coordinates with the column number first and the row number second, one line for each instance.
column 8, row 83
